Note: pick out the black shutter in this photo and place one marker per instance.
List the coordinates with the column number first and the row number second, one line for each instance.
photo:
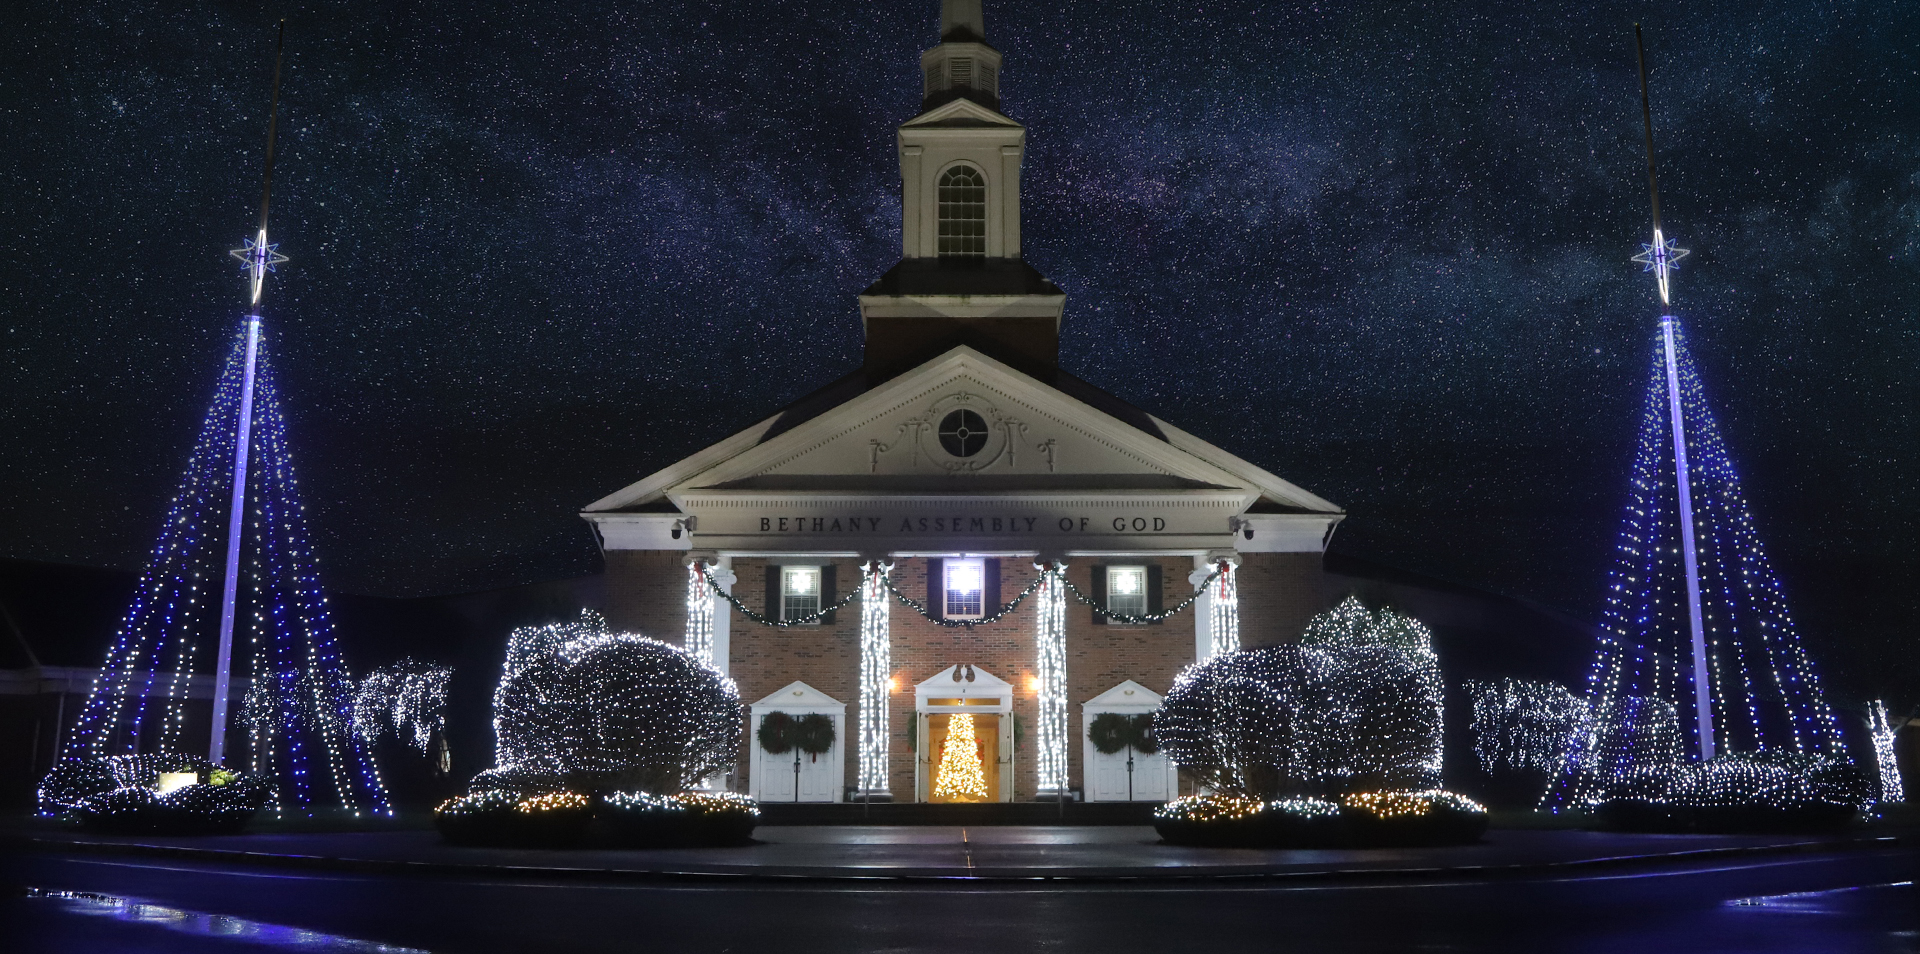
column 936, row 589
column 827, row 592
column 773, row 593
column 1099, row 593
column 990, row 587
column 1154, row 602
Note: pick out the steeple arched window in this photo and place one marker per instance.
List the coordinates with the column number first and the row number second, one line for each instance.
column 963, row 213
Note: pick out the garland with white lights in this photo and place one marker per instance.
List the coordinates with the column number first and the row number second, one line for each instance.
column 1162, row 616
column 806, row 620
column 1228, row 606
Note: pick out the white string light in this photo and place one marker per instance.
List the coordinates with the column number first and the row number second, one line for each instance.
column 876, row 674
column 1223, row 611
column 1524, row 725
column 1356, row 703
column 699, row 641
column 405, row 698
column 581, row 707
column 1050, row 640
column 1884, row 731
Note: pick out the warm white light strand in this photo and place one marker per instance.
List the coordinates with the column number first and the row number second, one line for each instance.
column 876, row 674
column 1892, row 791
column 1223, row 611
column 1051, row 670
column 699, row 641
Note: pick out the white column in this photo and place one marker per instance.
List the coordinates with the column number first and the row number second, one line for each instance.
column 1051, row 668
column 1202, row 611
column 876, row 674
column 723, row 616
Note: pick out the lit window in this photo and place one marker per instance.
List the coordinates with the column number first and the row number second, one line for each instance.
column 799, row 591
column 966, row 589
column 963, row 213
column 1127, row 590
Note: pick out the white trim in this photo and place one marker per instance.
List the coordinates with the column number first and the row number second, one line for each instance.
column 996, row 698
column 798, row 698
column 1127, row 698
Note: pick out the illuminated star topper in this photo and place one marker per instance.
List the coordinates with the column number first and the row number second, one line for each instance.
column 258, row 258
column 1660, row 258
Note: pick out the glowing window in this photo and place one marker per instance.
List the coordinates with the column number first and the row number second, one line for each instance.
column 966, row 589
column 1127, row 590
column 799, row 591
column 963, row 213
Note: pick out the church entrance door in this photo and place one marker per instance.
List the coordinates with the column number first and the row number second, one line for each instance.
column 964, row 751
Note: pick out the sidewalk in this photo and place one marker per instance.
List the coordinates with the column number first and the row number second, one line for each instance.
column 937, row 853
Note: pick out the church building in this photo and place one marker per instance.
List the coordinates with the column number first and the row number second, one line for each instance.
column 960, row 537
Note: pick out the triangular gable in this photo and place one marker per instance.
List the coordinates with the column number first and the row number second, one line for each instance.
column 886, row 440
column 983, row 683
column 1128, row 694
column 798, row 695
column 960, row 112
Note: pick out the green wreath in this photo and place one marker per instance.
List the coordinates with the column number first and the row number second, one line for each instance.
column 777, row 733
column 1110, row 732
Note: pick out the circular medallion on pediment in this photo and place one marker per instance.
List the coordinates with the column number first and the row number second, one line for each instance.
column 963, row 433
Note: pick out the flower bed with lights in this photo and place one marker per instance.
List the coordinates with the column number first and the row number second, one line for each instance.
column 1742, row 792
column 1364, row 819
column 152, row 794
column 565, row 819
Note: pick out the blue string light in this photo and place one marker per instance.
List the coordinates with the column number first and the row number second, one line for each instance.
column 300, row 704
column 1761, row 689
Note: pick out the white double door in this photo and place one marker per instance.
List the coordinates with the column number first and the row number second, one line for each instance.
column 816, row 776
column 1151, row 777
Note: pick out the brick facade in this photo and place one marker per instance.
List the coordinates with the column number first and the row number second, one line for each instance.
column 646, row 591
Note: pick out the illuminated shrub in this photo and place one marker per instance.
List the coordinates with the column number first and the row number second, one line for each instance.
column 121, row 794
column 1742, row 791
column 549, row 819
column 1355, row 705
column 584, row 709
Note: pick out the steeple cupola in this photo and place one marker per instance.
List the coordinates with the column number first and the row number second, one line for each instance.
column 961, row 278
column 963, row 65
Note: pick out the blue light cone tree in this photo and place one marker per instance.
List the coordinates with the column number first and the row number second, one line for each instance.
column 1690, row 560
column 239, row 499
column 1699, row 656
column 297, row 713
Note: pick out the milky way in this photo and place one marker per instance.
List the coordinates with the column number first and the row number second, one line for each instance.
column 1379, row 249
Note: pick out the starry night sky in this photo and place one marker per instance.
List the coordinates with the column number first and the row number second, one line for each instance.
column 1380, row 249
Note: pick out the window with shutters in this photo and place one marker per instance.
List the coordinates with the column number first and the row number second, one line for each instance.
column 1127, row 590
column 966, row 589
column 799, row 591
column 933, row 81
column 963, row 213
column 961, row 69
column 990, row 80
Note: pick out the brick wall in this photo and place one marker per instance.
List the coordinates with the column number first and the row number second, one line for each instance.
column 1278, row 592
column 646, row 592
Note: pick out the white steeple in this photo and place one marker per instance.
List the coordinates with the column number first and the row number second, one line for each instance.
column 961, row 278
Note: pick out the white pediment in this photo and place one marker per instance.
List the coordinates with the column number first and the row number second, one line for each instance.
column 798, row 695
column 960, row 112
column 969, row 452
column 963, row 680
column 966, row 423
column 1126, row 695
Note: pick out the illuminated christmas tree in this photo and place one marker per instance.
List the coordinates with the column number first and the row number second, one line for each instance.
column 960, row 775
column 236, row 523
column 1696, row 621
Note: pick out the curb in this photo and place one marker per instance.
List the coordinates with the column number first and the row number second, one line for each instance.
column 985, row 876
